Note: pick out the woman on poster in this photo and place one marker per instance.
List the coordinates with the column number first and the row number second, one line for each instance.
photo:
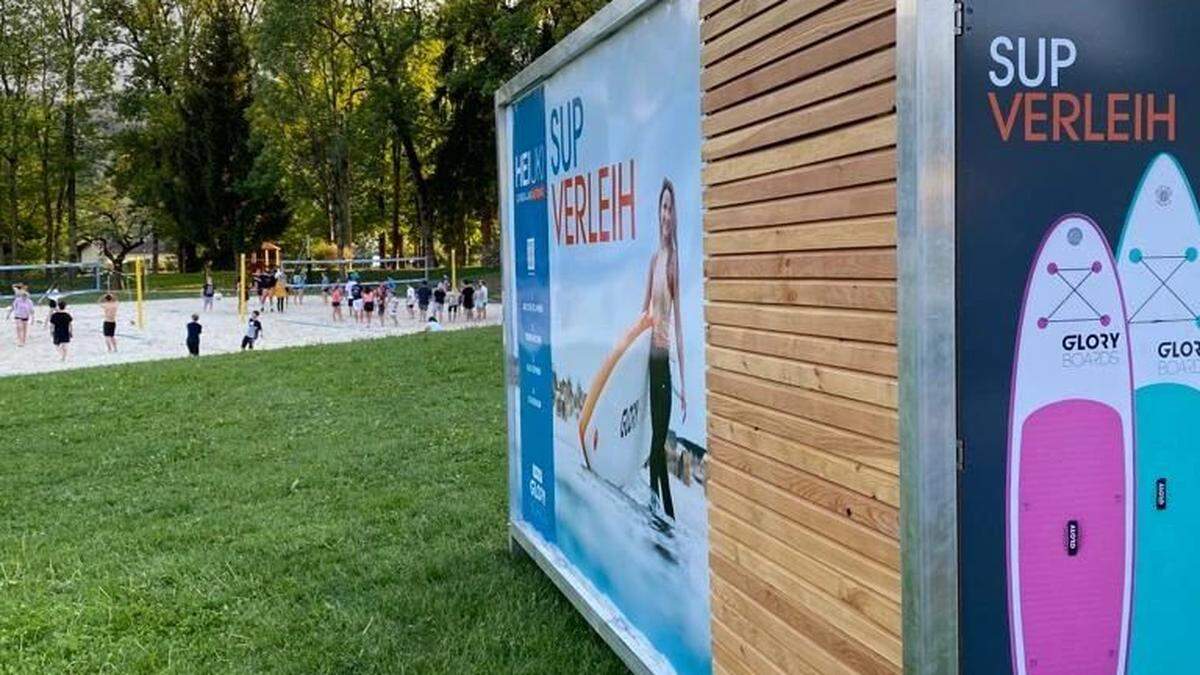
column 662, row 307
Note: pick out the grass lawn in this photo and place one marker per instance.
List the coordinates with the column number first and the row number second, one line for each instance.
column 336, row 509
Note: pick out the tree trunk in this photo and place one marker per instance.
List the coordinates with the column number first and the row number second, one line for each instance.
column 397, row 239
column 47, row 199
column 71, row 150
column 424, row 223
column 13, row 206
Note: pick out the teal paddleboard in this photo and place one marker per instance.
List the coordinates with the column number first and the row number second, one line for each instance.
column 1160, row 274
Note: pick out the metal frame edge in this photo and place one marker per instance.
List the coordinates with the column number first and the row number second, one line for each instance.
column 928, row 397
column 606, row 632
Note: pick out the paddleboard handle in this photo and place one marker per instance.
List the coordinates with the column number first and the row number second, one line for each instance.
column 1072, row 538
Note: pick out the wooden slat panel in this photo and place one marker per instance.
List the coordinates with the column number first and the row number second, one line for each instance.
column 813, row 338
column 799, row 189
column 800, row 654
column 873, row 389
column 872, row 574
column 871, row 69
column 749, row 653
column 804, row 596
column 868, row 200
column 835, row 499
column 870, row 232
column 711, row 8
column 842, row 413
column 849, row 474
column 733, row 17
column 846, row 294
column 855, row 264
column 850, row 654
column 859, row 539
column 862, row 137
column 861, row 40
column 864, row 449
column 758, row 28
column 876, row 100
column 732, row 534
column 836, row 19
column 871, row 167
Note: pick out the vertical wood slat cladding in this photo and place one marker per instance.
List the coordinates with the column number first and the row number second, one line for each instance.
column 800, row 274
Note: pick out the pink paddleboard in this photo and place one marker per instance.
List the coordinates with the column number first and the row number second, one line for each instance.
column 1070, row 461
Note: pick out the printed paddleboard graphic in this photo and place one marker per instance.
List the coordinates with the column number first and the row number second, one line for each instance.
column 1160, row 275
column 614, row 426
column 1070, row 461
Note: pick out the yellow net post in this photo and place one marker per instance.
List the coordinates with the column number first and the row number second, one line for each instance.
column 241, row 290
column 139, row 283
column 453, row 268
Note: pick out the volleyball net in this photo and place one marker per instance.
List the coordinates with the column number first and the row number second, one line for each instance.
column 52, row 281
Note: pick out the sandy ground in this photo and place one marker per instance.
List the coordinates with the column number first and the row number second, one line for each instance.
column 163, row 336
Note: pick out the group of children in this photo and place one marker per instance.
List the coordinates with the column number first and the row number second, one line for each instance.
column 432, row 305
column 429, row 304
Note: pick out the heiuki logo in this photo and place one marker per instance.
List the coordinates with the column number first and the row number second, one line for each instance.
column 1160, row 494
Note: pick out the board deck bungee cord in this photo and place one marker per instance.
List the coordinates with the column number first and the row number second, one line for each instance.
column 1070, row 461
column 614, row 425
column 1160, row 275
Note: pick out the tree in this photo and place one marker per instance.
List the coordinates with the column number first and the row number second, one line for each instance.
column 17, row 71
column 312, row 89
column 224, row 207
column 116, row 225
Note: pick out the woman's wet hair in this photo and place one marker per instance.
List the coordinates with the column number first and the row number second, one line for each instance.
column 669, row 187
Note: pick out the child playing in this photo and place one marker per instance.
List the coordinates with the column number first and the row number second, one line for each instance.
column 108, row 305
column 193, row 335
column 393, row 309
column 335, row 299
column 209, row 291
column 61, row 334
column 254, row 331
column 21, row 312
column 368, row 307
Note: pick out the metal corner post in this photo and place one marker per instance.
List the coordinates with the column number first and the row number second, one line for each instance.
column 928, row 431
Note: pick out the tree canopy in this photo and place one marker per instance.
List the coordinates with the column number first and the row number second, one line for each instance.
column 210, row 126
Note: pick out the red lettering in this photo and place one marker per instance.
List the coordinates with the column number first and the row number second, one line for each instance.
column 1137, row 117
column 1004, row 123
column 1031, row 116
column 1153, row 117
column 604, row 203
column 1115, row 117
column 1065, row 121
column 556, row 207
column 1089, row 134
column 625, row 199
column 580, row 197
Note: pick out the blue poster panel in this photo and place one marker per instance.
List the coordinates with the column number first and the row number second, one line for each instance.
column 532, row 273
column 1078, row 336
column 608, row 256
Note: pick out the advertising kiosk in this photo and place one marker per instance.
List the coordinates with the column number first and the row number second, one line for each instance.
column 860, row 335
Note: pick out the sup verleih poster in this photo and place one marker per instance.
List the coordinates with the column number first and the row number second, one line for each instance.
column 609, row 461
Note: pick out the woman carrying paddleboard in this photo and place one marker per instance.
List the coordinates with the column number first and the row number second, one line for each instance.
column 662, row 306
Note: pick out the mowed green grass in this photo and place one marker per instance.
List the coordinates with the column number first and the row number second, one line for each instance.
column 336, row 509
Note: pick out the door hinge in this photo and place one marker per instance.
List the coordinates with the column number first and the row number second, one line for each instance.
column 960, row 455
column 958, row 18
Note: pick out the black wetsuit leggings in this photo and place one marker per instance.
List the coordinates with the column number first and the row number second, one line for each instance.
column 660, row 418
